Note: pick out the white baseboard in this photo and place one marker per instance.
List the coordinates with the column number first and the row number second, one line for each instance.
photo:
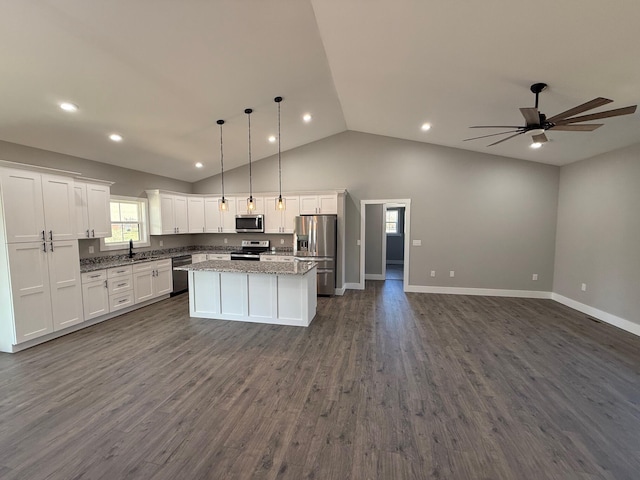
column 487, row 292
column 609, row 318
column 374, row 276
column 340, row 291
column 353, row 286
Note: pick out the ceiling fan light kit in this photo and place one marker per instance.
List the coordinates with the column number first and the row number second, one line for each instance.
column 536, row 123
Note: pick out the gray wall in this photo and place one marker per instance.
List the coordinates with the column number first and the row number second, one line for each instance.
column 489, row 218
column 599, row 232
column 373, row 238
column 395, row 243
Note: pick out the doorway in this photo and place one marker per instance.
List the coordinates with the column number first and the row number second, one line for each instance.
column 380, row 256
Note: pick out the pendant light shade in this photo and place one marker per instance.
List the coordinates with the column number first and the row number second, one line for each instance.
column 222, row 203
column 280, row 203
column 251, row 205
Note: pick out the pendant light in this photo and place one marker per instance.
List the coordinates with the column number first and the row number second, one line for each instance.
column 251, row 205
column 280, row 204
column 222, row 203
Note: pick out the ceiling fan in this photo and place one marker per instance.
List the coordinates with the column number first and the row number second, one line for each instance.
column 537, row 123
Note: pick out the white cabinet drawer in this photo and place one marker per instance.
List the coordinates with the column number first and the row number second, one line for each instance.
column 94, row 276
column 144, row 267
column 120, row 284
column 118, row 301
column 276, row 258
column 120, row 271
column 198, row 257
column 166, row 263
column 218, row 256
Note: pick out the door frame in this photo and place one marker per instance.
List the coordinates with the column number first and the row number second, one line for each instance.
column 406, row 203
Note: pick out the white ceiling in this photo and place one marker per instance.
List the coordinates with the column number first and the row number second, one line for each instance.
column 161, row 72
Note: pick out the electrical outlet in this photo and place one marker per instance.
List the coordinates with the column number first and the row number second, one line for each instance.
column 161, row 243
column 452, row 273
column 417, row 243
column 92, row 249
column 584, row 287
column 358, row 242
column 433, row 273
column 534, row 276
column 225, row 240
column 282, row 241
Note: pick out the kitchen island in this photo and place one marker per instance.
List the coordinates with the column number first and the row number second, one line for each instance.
column 280, row 293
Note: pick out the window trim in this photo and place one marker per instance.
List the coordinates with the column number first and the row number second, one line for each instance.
column 145, row 241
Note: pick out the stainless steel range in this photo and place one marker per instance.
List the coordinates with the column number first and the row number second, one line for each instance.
column 251, row 250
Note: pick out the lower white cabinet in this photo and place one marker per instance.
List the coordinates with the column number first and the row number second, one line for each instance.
column 198, row 257
column 45, row 287
column 95, row 294
column 277, row 258
column 152, row 279
column 120, row 287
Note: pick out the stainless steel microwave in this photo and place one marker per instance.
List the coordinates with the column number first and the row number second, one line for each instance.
column 250, row 223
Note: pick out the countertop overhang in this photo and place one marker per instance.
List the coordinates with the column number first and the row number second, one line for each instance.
column 242, row 266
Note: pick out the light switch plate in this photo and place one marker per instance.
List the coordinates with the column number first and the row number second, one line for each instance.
column 416, row 243
column 92, row 249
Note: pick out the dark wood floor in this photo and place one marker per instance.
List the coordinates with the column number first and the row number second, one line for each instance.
column 382, row 385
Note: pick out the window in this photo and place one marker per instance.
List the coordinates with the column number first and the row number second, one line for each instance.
column 128, row 222
column 392, row 222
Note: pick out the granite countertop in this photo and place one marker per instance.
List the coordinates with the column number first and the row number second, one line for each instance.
column 242, row 266
column 288, row 253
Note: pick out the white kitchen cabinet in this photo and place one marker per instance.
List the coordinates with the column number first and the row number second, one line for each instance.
column 37, row 206
column 281, row 221
column 195, row 210
column 45, row 288
column 198, row 257
column 241, row 206
column 217, row 221
column 120, row 287
column 219, row 256
column 95, row 294
column 92, row 203
column 326, row 204
column 152, row 279
column 168, row 213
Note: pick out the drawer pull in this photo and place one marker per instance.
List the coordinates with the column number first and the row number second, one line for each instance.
column 94, row 276
column 123, row 300
column 122, row 284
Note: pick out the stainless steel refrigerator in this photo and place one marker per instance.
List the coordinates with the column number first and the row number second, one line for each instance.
column 314, row 238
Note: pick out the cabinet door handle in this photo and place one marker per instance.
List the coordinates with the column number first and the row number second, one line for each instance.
column 43, row 237
column 52, row 246
column 106, row 284
column 44, row 247
column 50, row 234
column 88, row 236
column 93, row 233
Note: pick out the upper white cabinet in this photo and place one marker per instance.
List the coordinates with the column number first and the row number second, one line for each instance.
column 37, row 206
column 195, row 210
column 92, row 209
column 281, row 221
column 319, row 204
column 168, row 213
column 217, row 221
column 241, row 206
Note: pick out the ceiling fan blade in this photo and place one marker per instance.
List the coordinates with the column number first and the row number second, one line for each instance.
column 595, row 103
column 490, row 135
column 595, row 116
column 496, row 126
column 531, row 115
column 585, row 127
column 542, row 138
column 505, row 139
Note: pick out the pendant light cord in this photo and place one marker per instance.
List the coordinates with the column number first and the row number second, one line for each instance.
column 221, row 122
column 278, row 100
column 248, row 112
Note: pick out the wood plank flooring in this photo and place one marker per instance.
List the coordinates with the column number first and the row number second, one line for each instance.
column 383, row 385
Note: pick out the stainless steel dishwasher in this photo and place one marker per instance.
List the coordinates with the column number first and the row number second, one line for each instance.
column 180, row 278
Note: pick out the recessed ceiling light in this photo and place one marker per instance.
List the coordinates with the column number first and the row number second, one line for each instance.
column 272, row 139
column 306, row 117
column 69, row 107
column 199, row 165
column 116, row 137
column 536, row 145
column 425, row 127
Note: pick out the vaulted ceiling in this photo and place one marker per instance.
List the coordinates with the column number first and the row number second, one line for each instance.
column 161, row 72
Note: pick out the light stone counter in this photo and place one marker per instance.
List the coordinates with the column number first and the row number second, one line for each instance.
column 242, row 266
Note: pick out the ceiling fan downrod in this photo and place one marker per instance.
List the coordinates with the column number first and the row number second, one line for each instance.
column 537, row 88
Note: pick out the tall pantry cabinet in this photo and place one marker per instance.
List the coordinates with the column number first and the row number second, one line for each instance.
column 40, row 287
